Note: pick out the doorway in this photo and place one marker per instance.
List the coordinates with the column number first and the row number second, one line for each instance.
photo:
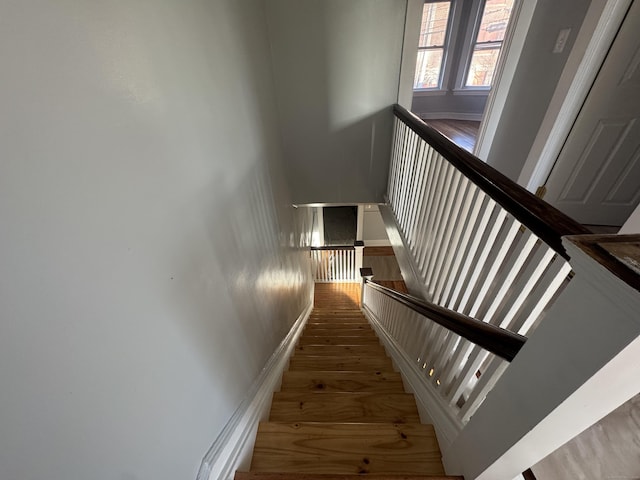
column 596, row 177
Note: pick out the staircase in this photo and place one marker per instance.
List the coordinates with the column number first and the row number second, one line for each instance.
column 342, row 411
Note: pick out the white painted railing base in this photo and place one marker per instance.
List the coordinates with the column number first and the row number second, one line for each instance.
column 430, row 406
column 580, row 365
column 232, row 449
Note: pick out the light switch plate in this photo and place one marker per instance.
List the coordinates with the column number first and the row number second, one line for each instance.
column 561, row 41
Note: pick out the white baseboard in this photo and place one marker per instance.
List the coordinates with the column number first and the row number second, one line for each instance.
column 430, row 404
column 476, row 117
column 233, row 448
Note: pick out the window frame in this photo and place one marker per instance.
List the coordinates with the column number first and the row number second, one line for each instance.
column 445, row 70
column 460, row 69
column 470, row 42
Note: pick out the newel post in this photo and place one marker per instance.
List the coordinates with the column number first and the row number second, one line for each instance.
column 359, row 248
column 366, row 274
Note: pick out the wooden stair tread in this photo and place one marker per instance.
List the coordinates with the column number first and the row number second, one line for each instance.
column 329, row 476
column 342, row 411
column 346, row 448
column 319, row 312
column 344, row 407
column 361, row 363
column 339, row 321
column 351, row 340
column 340, row 350
column 330, row 332
column 337, row 326
column 331, row 381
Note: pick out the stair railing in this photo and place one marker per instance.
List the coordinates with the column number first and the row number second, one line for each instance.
column 459, row 383
column 483, row 248
column 337, row 263
column 480, row 244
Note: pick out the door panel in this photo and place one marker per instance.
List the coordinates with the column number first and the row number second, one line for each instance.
column 596, row 179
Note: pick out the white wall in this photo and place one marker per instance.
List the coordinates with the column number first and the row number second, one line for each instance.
column 336, row 67
column 374, row 232
column 147, row 264
column 534, row 83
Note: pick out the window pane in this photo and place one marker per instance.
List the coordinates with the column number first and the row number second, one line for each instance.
column 428, row 68
column 433, row 31
column 494, row 20
column 483, row 64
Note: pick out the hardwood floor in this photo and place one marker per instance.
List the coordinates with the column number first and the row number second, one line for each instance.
column 338, row 295
column 342, row 410
column 461, row 132
column 386, row 270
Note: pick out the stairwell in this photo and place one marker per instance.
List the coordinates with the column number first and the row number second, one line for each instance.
column 342, row 411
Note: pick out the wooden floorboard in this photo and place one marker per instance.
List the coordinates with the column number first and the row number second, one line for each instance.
column 337, row 326
column 342, row 296
column 327, row 331
column 341, row 409
column 461, row 132
column 342, row 350
column 346, row 448
column 344, row 407
column 340, row 364
column 343, row 340
column 378, row 252
column 332, row 381
column 328, row 476
column 338, row 319
column 397, row 285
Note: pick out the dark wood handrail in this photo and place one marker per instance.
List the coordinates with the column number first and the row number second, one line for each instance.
column 545, row 221
column 499, row 341
column 335, row 247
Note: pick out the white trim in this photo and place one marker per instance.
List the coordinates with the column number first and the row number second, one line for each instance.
column 430, row 404
column 512, row 46
column 360, row 222
column 471, row 34
column 413, row 18
column 406, row 261
column 588, row 54
column 319, row 225
column 431, row 92
column 472, row 91
column 232, row 449
column 450, row 116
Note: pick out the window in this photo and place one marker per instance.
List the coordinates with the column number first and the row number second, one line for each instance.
column 478, row 25
column 488, row 42
column 432, row 44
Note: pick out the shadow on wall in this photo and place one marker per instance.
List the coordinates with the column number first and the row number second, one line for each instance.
column 262, row 281
column 257, row 240
column 336, row 66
